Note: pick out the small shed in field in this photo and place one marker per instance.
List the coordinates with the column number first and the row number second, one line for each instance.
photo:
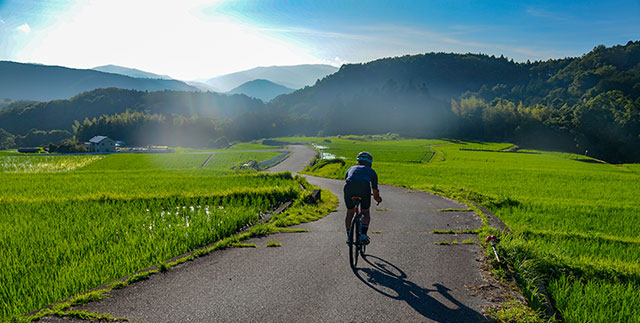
column 101, row 144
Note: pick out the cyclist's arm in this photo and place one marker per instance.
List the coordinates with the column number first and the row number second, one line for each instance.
column 376, row 196
column 374, row 187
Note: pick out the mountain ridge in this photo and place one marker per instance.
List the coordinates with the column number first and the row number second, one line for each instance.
column 128, row 71
column 264, row 90
column 291, row 76
column 36, row 82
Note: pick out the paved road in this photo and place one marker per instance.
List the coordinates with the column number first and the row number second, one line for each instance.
column 300, row 157
column 406, row 278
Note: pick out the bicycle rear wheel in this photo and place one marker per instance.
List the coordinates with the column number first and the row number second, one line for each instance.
column 354, row 246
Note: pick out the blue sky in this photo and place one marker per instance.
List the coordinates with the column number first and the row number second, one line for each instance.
column 192, row 39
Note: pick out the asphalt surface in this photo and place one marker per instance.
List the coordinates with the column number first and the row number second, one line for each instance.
column 300, row 157
column 405, row 278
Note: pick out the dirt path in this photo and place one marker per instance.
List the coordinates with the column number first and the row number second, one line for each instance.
column 406, row 277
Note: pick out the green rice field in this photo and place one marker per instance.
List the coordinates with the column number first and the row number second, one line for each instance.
column 252, row 146
column 227, row 159
column 72, row 223
column 39, row 163
column 575, row 221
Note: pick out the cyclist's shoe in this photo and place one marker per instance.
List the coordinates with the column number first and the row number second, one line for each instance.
column 348, row 236
column 365, row 239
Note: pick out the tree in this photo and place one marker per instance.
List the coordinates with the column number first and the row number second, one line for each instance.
column 7, row 140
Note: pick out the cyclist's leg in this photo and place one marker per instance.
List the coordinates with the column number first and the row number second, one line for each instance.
column 349, row 218
column 348, row 194
column 366, row 217
column 366, row 204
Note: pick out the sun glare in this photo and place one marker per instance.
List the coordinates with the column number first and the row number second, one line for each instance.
column 174, row 38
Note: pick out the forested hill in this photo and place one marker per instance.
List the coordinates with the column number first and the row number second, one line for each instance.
column 410, row 95
column 444, row 76
column 61, row 114
column 35, row 82
column 577, row 104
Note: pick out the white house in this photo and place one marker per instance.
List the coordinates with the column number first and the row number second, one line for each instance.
column 101, row 144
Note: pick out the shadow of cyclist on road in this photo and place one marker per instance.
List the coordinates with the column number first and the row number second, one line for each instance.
column 389, row 280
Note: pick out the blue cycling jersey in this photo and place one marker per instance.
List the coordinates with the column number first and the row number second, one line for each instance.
column 362, row 173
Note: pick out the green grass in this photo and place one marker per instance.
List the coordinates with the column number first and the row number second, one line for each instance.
column 633, row 167
column 131, row 185
column 251, row 146
column 228, row 159
column 569, row 218
column 62, row 233
column 143, row 161
column 273, row 244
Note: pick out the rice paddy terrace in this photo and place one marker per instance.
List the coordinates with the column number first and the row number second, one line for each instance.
column 71, row 223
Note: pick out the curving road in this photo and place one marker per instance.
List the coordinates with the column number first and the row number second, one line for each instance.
column 406, row 277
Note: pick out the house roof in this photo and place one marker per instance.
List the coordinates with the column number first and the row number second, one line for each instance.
column 97, row 139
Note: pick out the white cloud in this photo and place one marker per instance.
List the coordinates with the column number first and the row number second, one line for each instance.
column 1, row 21
column 545, row 14
column 24, row 28
column 364, row 43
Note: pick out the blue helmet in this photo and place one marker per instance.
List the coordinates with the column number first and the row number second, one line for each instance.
column 366, row 157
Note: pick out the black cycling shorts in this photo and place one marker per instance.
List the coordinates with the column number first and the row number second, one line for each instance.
column 361, row 189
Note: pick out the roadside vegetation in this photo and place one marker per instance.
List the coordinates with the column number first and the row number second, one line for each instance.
column 575, row 221
column 65, row 232
column 228, row 159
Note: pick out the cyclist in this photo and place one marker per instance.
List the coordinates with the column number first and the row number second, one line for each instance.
column 360, row 180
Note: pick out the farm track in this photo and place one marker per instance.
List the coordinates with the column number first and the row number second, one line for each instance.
column 405, row 278
column 207, row 161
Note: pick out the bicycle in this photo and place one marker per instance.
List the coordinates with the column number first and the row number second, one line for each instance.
column 355, row 236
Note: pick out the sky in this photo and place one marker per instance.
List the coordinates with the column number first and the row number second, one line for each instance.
column 197, row 39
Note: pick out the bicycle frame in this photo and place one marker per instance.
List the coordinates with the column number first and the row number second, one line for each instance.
column 355, row 244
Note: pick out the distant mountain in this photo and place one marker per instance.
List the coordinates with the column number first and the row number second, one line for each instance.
column 203, row 87
column 130, row 72
column 295, row 76
column 19, row 81
column 142, row 74
column 261, row 89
